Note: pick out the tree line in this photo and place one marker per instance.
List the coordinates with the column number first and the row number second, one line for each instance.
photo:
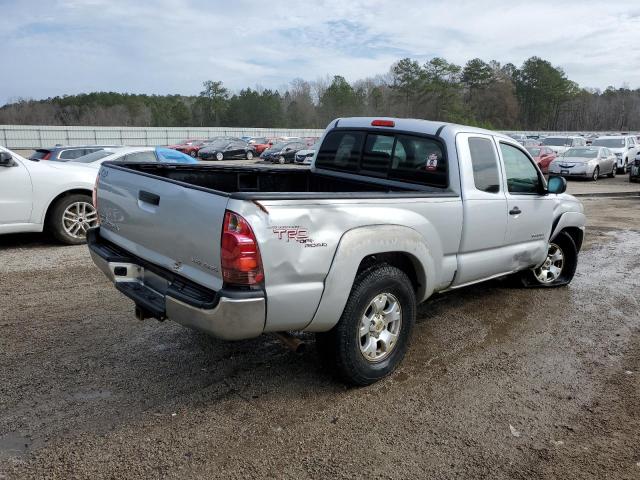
column 534, row 96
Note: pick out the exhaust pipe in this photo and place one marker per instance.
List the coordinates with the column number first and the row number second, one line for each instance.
column 292, row 343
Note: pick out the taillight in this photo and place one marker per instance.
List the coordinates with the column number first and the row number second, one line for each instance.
column 383, row 123
column 239, row 253
column 94, row 195
column 47, row 156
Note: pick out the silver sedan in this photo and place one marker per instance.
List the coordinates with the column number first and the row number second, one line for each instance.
column 586, row 162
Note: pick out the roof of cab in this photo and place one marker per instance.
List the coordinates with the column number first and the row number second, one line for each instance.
column 427, row 127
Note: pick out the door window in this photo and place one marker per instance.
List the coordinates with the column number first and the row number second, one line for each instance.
column 522, row 175
column 485, row 165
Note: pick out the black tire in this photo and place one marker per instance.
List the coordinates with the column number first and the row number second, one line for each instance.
column 596, row 174
column 249, row 155
column 281, row 160
column 570, row 252
column 219, row 156
column 340, row 348
column 55, row 222
column 613, row 172
column 193, row 153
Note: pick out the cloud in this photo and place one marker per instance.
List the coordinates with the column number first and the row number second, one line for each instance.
column 172, row 46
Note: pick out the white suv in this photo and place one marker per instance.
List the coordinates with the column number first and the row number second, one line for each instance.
column 625, row 148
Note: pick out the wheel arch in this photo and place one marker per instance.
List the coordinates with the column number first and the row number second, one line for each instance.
column 364, row 247
column 66, row 193
column 573, row 223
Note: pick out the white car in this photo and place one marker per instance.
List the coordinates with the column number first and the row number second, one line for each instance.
column 625, row 147
column 561, row 144
column 134, row 154
column 304, row 157
column 40, row 195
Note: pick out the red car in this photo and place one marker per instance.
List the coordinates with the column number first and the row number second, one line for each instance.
column 260, row 144
column 543, row 156
column 190, row 146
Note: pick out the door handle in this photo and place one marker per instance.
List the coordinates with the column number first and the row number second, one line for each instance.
column 515, row 211
column 149, row 197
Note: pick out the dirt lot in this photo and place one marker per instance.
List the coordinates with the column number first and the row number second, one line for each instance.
column 499, row 382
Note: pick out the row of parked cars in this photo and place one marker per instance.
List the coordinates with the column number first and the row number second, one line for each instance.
column 275, row 150
column 586, row 156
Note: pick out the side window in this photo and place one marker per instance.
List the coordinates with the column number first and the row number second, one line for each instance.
column 522, row 176
column 377, row 153
column 71, row 154
column 485, row 165
column 141, row 157
column 340, row 150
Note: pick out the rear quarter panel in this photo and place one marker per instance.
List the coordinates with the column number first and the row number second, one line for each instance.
column 298, row 242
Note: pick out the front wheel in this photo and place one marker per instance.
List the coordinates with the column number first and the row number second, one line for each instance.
column 249, row 155
column 219, row 156
column 193, row 153
column 595, row 174
column 71, row 217
column 281, row 160
column 372, row 335
column 558, row 268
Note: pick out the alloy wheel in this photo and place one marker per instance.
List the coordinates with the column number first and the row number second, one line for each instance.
column 380, row 327
column 78, row 218
column 551, row 269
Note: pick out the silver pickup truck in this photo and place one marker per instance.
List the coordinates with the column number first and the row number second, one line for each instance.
column 390, row 212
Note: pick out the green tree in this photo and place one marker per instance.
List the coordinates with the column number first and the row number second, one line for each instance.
column 213, row 100
column 339, row 100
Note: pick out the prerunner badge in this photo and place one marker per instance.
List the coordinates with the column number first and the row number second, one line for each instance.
column 432, row 162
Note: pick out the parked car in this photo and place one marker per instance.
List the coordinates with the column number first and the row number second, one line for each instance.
column 518, row 137
column 227, row 150
column 562, row 144
column 390, row 212
column 189, row 147
column 586, row 162
column 51, row 196
column 260, row 144
column 531, row 142
column 634, row 171
column 543, row 156
column 283, row 152
column 137, row 155
column 624, row 147
column 304, row 157
column 61, row 153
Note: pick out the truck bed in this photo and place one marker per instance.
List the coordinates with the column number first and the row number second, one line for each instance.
column 253, row 183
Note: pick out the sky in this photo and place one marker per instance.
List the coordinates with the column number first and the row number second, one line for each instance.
column 57, row 47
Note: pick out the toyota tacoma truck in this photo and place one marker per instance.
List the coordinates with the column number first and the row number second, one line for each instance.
column 390, row 212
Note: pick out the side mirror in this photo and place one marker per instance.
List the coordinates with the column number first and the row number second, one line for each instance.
column 557, row 185
column 6, row 160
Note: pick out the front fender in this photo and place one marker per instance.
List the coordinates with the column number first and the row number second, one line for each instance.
column 568, row 219
column 359, row 243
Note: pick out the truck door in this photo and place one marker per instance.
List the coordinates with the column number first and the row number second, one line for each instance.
column 15, row 194
column 482, row 251
column 530, row 213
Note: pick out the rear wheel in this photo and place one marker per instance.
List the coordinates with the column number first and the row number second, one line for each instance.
column 193, row 153
column 71, row 217
column 558, row 268
column 613, row 172
column 219, row 156
column 281, row 160
column 249, row 155
column 371, row 337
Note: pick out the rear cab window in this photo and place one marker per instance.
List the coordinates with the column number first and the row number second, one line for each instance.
column 393, row 156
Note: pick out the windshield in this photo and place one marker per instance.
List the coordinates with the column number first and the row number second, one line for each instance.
column 533, row 151
column 92, row 157
column 557, row 141
column 278, row 146
column 582, row 152
column 609, row 142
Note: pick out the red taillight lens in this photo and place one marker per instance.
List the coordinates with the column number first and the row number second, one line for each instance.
column 47, row 156
column 239, row 253
column 383, row 123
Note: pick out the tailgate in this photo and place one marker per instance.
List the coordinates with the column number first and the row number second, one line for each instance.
column 168, row 224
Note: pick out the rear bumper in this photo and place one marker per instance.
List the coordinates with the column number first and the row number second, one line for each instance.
column 227, row 314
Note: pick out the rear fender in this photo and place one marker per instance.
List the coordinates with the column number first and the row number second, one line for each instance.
column 359, row 243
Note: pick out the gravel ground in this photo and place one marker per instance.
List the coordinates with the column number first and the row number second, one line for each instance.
column 498, row 383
